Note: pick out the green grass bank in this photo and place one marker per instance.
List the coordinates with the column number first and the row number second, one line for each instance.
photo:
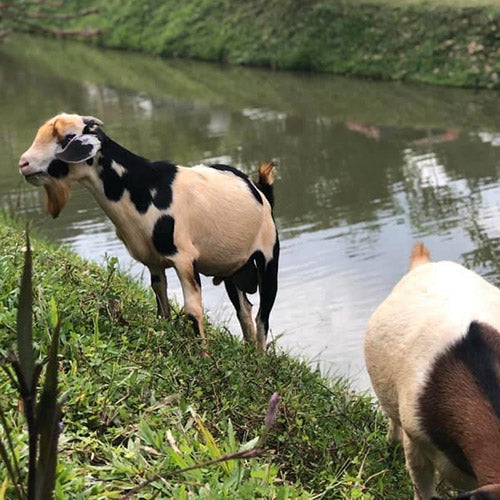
column 444, row 42
column 141, row 398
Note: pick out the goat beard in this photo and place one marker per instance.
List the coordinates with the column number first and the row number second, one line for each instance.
column 57, row 194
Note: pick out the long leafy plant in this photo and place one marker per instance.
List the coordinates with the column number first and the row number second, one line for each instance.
column 39, row 402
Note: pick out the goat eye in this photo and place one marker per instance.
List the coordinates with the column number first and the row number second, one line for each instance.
column 66, row 139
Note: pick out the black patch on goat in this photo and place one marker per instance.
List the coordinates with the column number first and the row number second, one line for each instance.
column 268, row 191
column 163, row 235
column 196, row 327
column 241, row 175
column 91, row 127
column 58, row 169
column 196, row 273
column 112, row 182
column 147, row 182
column 155, row 279
column 245, row 278
column 64, row 142
column 164, row 174
column 232, row 293
column 478, row 354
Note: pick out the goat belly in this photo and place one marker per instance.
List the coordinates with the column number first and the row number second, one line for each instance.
column 220, row 269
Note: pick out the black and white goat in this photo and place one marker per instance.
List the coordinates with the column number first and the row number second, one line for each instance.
column 432, row 350
column 207, row 219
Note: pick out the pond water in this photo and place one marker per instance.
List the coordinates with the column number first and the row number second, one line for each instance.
column 365, row 170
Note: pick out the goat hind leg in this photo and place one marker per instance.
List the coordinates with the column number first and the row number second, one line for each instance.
column 268, row 287
column 243, row 311
column 421, row 470
column 159, row 286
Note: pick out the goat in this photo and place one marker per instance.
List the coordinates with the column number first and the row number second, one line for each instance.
column 206, row 219
column 432, row 351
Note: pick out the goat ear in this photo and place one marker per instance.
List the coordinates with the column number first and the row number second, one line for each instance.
column 58, row 193
column 80, row 148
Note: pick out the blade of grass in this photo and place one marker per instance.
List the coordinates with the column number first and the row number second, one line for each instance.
column 25, row 320
column 24, row 367
column 5, row 457
column 11, row 446
column 9, row 374
column 47, row 424
column 3, row 489
column 213, row 449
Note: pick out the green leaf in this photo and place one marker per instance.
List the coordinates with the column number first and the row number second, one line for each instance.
column 231, row 436
column 25, row 320
column 53, row 313
column 48, row 417
column 10, row 472
column 213, row 449
column 12, row 451
column 3, row 488
column 249, row 444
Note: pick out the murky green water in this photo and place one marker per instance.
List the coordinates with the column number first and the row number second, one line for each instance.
column 365, row 170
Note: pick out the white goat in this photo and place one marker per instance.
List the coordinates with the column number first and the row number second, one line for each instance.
column 207, row 219
column 432, row 350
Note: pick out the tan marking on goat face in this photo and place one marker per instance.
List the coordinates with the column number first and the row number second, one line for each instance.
column 43, row 149
column 57, row 127
column 65, row 124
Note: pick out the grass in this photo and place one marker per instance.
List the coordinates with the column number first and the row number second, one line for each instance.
column 436, row 41
column 140, row 399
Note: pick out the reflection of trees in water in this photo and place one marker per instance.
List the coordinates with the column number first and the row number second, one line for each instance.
column 485, row 258
column 437, row 204
column 333, row 177
column 433, row 199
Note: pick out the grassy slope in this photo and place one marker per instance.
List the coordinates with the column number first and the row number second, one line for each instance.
column 443, row 42
column 130, row 377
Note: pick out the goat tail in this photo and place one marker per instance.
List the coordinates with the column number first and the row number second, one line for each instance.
column 266, row 180
column 419, row 255
column 266, row 173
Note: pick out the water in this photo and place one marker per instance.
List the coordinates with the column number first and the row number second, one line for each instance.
column 365, row 170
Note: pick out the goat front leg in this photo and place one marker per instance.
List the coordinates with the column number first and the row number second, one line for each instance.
column 394, row 433
column 159, row 285
column 191, row 290
column 421, row 469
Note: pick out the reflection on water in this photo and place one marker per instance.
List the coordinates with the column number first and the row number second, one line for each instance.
column 365, row 169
